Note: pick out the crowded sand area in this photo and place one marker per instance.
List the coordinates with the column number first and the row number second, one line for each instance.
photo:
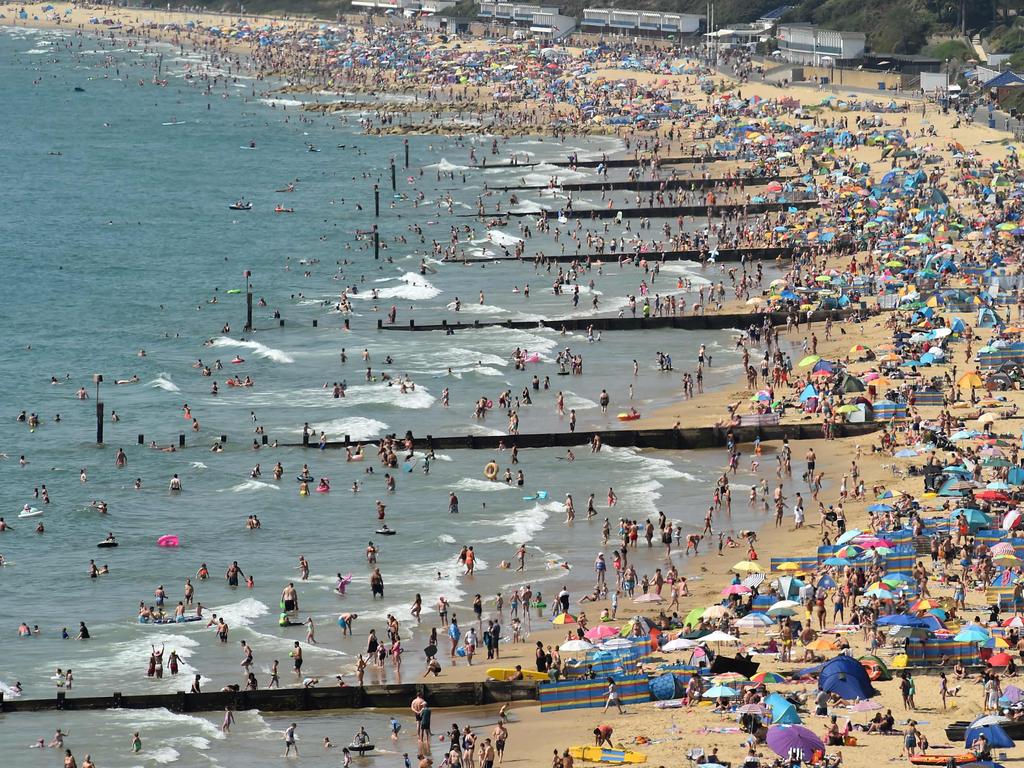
column 853, row 341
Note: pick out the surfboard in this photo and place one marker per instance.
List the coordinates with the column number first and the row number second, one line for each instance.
column 501, row 673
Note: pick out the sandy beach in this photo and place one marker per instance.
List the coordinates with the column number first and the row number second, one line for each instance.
column 853, row 340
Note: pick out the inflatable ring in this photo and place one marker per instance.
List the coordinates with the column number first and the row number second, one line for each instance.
column 490, row 403
column 491, row 470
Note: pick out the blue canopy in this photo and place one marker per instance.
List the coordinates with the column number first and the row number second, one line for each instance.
column 901, row 620
column 847, row 678
column 994, row 732
column 783, row 711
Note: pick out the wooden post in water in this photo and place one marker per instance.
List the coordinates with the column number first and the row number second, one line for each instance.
column 248, row 301
column 376, row 201
column 394, row 188
column 376, row 242
column 98, row 379
column 406, row 142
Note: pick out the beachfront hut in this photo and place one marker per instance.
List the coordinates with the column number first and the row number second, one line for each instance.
column 847, row 678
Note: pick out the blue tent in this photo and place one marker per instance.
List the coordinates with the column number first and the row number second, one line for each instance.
column 847, row 678
column 994, row 732
column 667, row 686
column 783, row 711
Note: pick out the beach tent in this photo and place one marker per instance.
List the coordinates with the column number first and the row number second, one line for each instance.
column 872, row 663
column 997, row 737
column 668, row 686
column 987, row 318
column 783, row 710
column 845, row 677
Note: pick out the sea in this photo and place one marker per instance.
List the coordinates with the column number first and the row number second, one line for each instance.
column 122, row 258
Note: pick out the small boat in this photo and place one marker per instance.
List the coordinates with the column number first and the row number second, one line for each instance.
column 360, row 748
column 279, row 209
column 240, row 206
column 632, row 415
column 79, row 89
column 385, row 531
column 107, row 544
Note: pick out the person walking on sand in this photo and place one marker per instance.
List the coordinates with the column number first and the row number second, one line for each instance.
column 613, row 698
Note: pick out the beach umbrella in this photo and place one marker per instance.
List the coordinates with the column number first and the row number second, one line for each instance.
column 852, row 534
column 823, row 644
column 601, row 632
column 785, row 739
column 693, row 616
column 753, row 709
column 754, row 580
column 768, row 677
column 849, row 551
column 719, row 692
column 970, row 379
column 729, row 677
column 809, row 360
column 1013, row 621
column 650, row 597
column 755, row 621
column 972, row 633
column 880, row 593
column 718, row 636
column 788, row 566
column 716, row 611
column 783, row 608
column 564, row 618
column 748, row 566
column 679, row 644
column 839, row 561
column 736, row 589
column 1001, row 659
column 616, row 644
column 576, row 646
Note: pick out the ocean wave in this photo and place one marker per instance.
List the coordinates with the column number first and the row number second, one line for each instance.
column 253, row 485
column 413, row 288
column 660, row 469
column 163, row 381
column 260, row 350
column 356, row 427
column 444, row 166
column 525, row 524
column 476, row 485
column 241, row 613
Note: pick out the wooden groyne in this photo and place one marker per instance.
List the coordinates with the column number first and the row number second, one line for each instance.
column 652, row 185
column 714, row 211
column 691, row 438
column 618, row 162
column 691, row 254
column 686, row 322
column 438, row 695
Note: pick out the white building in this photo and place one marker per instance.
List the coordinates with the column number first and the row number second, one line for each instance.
column 640, row 22
column 543, row 20
column 406, row 7
column 808, row 44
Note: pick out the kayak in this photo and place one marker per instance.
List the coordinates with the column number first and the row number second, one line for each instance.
column 964, row 757
column 606, row 755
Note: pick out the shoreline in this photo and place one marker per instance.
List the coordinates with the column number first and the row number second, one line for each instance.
column 711, row 568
